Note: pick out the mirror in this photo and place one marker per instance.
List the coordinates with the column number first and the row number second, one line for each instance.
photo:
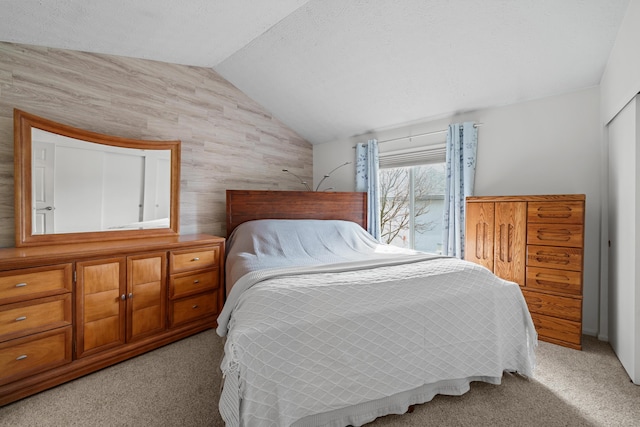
column 73, row 185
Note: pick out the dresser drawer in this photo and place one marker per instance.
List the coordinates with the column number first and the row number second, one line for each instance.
column 192, row 308
column 564, row 281
column 569, row 212
column 194, row 259
column 19, row 285
column 22, row 357
column 554, row 257
column 554, row 305
column 181, row 285
column 33, row 316
column 554, row 329
column 555, row 234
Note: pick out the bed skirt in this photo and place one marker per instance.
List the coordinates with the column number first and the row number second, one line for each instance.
column 366, row 412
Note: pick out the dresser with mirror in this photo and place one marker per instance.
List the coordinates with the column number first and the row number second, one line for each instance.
column 100, row 272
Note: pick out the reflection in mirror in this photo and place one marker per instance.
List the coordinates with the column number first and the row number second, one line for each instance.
column 73, row 185
column 79, row 186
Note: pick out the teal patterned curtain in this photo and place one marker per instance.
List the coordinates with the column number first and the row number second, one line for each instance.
column 462, row 143
column 367, row 163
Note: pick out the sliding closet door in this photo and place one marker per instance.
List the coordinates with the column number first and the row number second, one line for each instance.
column 624, row 225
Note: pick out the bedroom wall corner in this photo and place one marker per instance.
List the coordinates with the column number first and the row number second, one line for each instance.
column 620, row 80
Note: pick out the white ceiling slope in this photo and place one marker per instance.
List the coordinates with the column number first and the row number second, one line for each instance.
column 331, row 69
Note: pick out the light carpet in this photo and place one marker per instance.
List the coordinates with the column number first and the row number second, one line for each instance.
column 179, row 385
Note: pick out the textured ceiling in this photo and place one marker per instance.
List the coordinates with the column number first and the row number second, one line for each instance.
column 331, row 69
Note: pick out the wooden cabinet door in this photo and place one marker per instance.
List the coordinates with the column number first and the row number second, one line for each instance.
column 510, row 241
column 100, row 305
column 479, row 230
column 146, row 295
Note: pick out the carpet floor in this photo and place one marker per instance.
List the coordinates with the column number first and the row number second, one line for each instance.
column 179, row 385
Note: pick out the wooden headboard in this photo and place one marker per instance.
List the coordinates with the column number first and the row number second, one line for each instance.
column 247, row 205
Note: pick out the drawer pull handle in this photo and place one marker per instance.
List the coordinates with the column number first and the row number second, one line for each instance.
column 552, row 215
column 195, row 282
column 21, row 357
column 553, row 258
column 547, row 253
column 196, row 259
column 195, row 306
column 543, row 276
column 554, row 212
column 554, row 231
column 554, row 235
column 506, row 242
column 21, row 285
column 482, row 246
column 21, row 318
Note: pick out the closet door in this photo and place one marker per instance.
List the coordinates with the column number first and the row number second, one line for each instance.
column 479, row 231
column 510, row 241
column 624, row 246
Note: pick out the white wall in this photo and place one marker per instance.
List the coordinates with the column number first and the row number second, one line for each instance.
column 621, row 79
column 546, row 146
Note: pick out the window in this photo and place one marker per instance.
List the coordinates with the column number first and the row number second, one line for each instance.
column 412, row 202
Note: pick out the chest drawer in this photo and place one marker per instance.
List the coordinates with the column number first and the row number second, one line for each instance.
column 185, row 284
column 555, row 234
column 558, row 330
column 554, row 257
column 187, row 309
column 19, row 285
column 34, row 316
column 563, row 281
column 567, row 212
column 194, row 259
column 554, row 305
column 36, row 353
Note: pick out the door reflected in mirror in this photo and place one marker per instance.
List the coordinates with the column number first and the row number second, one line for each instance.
column 80, row 186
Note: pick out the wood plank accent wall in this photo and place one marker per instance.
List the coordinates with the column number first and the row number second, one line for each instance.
column 228, row 140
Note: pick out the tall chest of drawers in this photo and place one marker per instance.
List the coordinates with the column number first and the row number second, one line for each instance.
column 537, row 242
column 69, row 310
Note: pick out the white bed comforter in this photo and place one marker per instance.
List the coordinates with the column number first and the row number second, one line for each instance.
column 318, row 338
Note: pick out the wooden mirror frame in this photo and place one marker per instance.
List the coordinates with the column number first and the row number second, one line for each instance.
column 22, row 124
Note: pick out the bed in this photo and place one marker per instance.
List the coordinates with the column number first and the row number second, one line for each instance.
column 324, row 326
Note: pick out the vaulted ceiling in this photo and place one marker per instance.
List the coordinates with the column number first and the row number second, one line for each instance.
column 331, row 69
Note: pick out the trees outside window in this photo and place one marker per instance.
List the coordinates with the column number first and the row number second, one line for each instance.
column 411, row 206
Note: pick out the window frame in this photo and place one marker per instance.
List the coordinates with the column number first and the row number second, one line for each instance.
column 411, row 158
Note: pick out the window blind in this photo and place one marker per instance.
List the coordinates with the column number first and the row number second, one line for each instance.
column 434, row 153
